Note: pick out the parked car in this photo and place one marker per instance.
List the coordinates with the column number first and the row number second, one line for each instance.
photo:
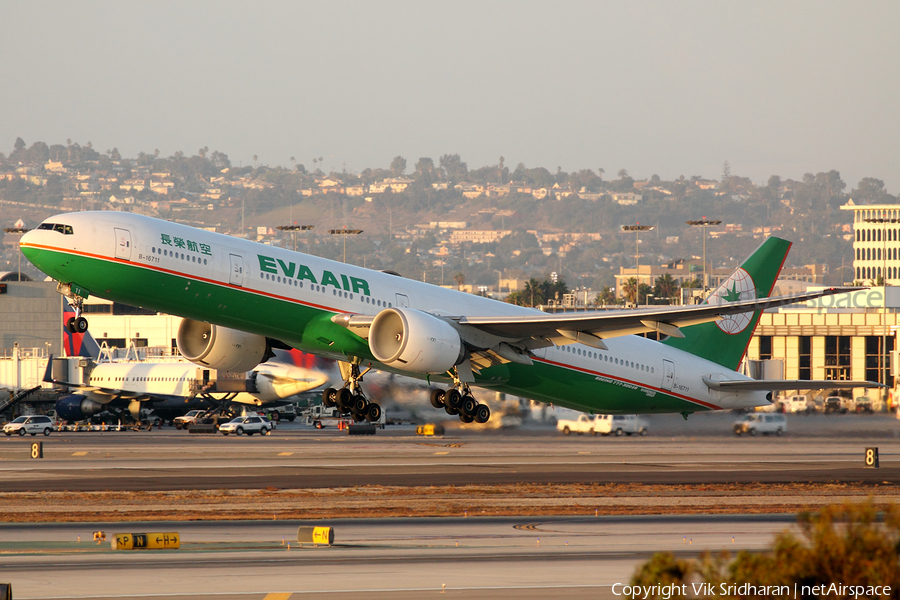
column 249, row 424
column 33, row 424
column 764, row 423
column 619, row 424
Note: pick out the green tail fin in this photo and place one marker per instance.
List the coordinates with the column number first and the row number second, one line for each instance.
column 725, row 342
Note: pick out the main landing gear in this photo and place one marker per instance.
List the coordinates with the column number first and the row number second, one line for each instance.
column 350, row 399
column 458, row 400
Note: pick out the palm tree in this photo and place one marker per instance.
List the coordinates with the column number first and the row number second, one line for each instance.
column 630, row 290
column 460, row 279
column 666, row 286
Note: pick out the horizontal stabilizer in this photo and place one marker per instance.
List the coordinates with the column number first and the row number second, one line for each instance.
column 750, row 385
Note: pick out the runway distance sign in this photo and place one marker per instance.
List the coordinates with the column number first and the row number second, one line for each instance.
column 37, row 450
column 872, row 458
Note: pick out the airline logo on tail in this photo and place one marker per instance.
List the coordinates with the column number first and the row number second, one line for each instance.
column 77, row 344
column 739, row 286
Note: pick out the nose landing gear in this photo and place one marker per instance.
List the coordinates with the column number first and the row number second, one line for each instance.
column 76, row 324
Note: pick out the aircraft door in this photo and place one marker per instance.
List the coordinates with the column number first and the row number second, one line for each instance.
column 237, row 270
column 402, row 301
column 123, row 243
column 668, row 374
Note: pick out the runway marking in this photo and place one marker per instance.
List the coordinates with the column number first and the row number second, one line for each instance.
column 278, row 596
column 584, row 453
column 436, row 453
column 285, row 454
column 79, row 454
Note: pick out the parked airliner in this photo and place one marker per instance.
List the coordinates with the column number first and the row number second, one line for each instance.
column 175, row 386
column 239, row 298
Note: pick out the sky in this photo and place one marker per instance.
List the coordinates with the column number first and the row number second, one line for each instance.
column 666, row 88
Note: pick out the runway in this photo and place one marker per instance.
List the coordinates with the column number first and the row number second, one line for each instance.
column 377, row 558
column 818, row 450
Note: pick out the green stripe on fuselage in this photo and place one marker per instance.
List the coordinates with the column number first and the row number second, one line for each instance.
column 310, row 329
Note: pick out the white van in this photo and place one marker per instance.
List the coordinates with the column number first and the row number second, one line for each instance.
column 619, row 424
column 764, row 423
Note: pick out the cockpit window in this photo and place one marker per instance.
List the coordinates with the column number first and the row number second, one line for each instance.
column 60, row 227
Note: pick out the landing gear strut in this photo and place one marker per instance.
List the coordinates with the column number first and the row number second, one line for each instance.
column 458, row 400
column 76, row 324
column 350, row 399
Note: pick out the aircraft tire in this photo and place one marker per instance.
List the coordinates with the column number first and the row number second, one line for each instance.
column 468, row 406
column 70, row 324
column 453, row 399
column 344, row 400
column 373, row 412
column 466, row 418
column 437, row 398
column 81, row 325
column 360, row 405
column 328, row 397
column 482, row 414
column 450, row 410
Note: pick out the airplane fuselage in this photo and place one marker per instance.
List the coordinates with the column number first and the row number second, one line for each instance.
column 293, row 296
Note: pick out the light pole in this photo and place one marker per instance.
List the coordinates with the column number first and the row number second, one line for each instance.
column 637, row 229
column 294, row 229
column 704, row 223
column 344, row 232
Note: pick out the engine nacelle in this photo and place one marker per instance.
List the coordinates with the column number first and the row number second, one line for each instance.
column 414, row 341
column 220, row 348
column 276, row 381
column 76, row 407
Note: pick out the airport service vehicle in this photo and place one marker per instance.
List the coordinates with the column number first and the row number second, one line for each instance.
column 795, row 404
column 287, row 412
column 864, row 405
column 583, row 424
column 621, row 424
column 33, row 424
column 249, row 424
column 764, row 423
column 834, row 404
column 239, row 299
column 186, row 419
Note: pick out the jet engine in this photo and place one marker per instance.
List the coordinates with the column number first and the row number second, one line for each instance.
column 414, row 341
column 220, row 348
column 276, row 381
column 76, row 407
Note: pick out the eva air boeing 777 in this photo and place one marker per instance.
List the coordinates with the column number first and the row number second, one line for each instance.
column 240, row 298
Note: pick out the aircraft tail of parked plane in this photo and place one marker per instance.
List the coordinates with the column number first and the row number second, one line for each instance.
column 77, row 343
column 725, row 341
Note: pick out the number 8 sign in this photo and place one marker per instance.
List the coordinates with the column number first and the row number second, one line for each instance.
column 871, row 458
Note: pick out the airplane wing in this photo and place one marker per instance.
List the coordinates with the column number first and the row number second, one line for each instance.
column 590, row 328
column 772, row 385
